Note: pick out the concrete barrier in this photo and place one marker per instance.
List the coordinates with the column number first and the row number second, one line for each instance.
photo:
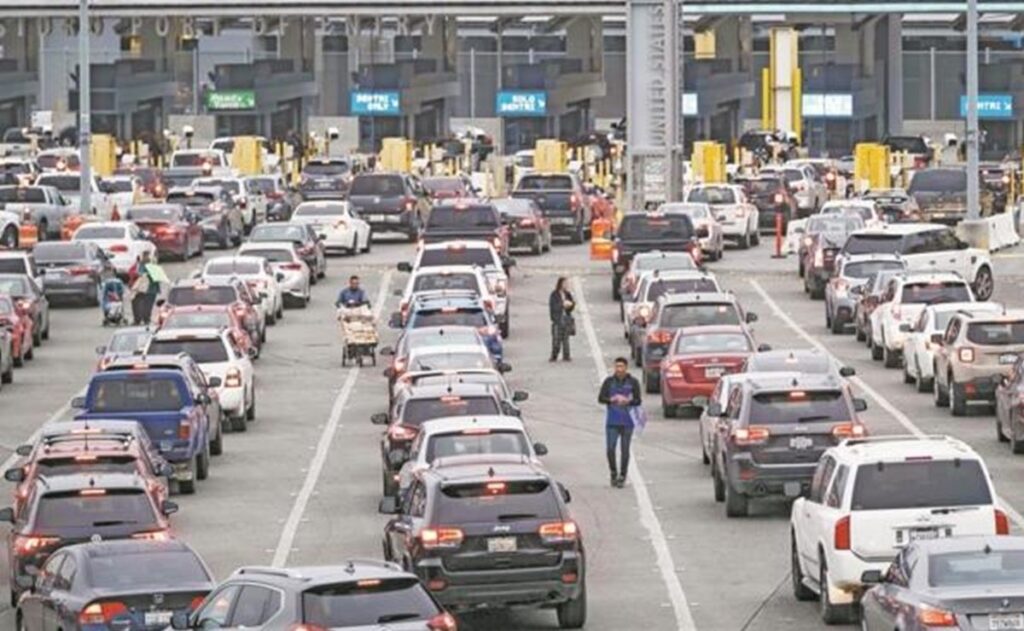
column 990, row 233
column 794, row 232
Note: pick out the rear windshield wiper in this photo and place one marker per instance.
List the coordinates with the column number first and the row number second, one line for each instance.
column 811, row 419
column 952, row 509
column 395, row 617
column 516, row 516
column 114, row 522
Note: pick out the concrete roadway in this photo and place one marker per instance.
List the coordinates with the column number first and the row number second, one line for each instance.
column 302, row 485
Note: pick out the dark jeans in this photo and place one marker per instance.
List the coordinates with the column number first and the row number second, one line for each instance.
column 623, row 435
column 559, row 341
column 142, row 308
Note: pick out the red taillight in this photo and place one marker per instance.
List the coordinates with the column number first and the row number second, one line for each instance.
column 233, row 379
column 402, row 432
column 559, row 532
column 932, row 617
column 433, row 538
column 101, row 613
column 920, row 162
column 196, row 602
column 526, row 223
column 496, row 242
column 30, row 545
column 659, row 336
column 410, row 203
column 616, row 254
column 291, row 266
column 275, row 195
column 674, row 371
column 79, row 270
column 154, row 535
column 574, row 201
column 753, row 435
column 184, row 430
column 118, row 248
column 443, row 622
column 779, row 198
column 1002, row 523
column 841, row 536
column 849, row 430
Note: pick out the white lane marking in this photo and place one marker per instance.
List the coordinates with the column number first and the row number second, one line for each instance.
column 323, row 447
column 648, row 518
column 14, row 457
column 884, row 403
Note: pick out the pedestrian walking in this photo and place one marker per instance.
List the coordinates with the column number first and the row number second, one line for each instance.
column 560, row 307
column 620, row 394
column 145, row 290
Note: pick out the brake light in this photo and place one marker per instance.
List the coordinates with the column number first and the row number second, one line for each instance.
column 433, row 538
column 184, row 430
column 153, row 535
column 674, row 371
column 410, row 203
column 616, row 254
column 526, row 223
column 101, row 613
column 401, row 432
column 753, row 435
column 932, row 617
column 79, row 270
column 118, row 247
column 24, row 546
column 842, row 534
column 574, row 201
column 233, row 379
column 1002, row 523
column 291, row 266
column 966, row 355
column 306, row 627
column 659, row 336
column 496, row 488
column 443, row 622
column 398, row 366
column 559, row 532
column 496, row 241
column 849, row 430
column 920, row 162
column 196, row 602
column 779, row 198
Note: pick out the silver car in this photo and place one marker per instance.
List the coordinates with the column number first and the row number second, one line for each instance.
column 853, row 272
column 290, row 271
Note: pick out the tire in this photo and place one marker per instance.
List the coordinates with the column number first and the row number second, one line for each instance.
column 984, row 284
column 389, row 487
column 238, row 423
column 250, row 413
column 957, row 399
column 188, row 487
column 890, row 358
column 223, row 239
column 717, row 483
column 744, row 242
column 538, row 246
column 577, row 236
column 836, row 326
column 10, row 238
column 907, row 377
column 704, row 457
column 800, row 591
column 859, row 333
column 755, row 239
column 1016, row 446
column 940, row 395
column 369, row 242
column 44, row 230
column 37, row 336
column 651, row 386
column 736, row 503
column 830, row 614
column 669, row 411
column 203, row 464
column 505, row 326
column 8, row 377
column 616, row 281
column 572, row 614
column 877, row 352
column 217, row 444
column 924, row 385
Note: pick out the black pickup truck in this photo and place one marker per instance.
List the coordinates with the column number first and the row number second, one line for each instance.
column 562, row 200
column 649, row 232
column 459, row 219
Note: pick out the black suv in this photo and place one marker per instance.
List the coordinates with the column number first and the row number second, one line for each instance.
column 771, row 196
column 647, row 232
column 390, row 202
column 325, row 178
column 469, row 220
column 772, row 432
column 490, row 531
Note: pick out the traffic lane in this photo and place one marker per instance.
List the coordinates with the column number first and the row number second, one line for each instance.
column 623, row 587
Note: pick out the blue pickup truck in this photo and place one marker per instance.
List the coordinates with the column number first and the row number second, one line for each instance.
column 167, row 404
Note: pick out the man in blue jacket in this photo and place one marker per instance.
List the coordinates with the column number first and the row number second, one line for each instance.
column 353, row 295
column 620, row 393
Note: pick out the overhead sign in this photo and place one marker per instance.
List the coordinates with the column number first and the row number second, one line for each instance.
column 375, row 102
column 228, row 100
column 827, row 105
column 990, row 106
column 521, row 103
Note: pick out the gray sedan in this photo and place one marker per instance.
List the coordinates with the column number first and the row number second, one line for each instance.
column 956, row 582
column 72, row 269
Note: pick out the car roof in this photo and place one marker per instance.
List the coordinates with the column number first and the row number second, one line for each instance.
column 109, row 224
column 180, row 360
column 200, row 282
column 900, row 229
column 188, row 334
column 655, row 275
column 917, row 276
column 877, row 256
column 483, row 467
column 978, row 543
column 447, row 269
column 195, row 189
column 782, row 356
column 697, row 297
column 455, row 389
column 305, row 577
column 447, row 350
column 449, row 424
column 979, row 307
column 898, row 448
column 458, row 244
column 1003, row 315
column 266, row 245
column 89, row 427
column 91, row 480
column 123, row 547
column 780, row 381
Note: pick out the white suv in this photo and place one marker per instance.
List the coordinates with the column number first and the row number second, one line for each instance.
column 872, row 496
column 903, row 301
column 918, row 347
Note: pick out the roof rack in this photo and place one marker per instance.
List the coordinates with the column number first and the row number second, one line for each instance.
column 271, row 571
column 895, row 438
column 386, row 565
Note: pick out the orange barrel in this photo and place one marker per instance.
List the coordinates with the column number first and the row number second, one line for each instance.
column 600, row 239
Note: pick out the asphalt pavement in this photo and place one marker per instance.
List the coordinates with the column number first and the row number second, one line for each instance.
column 302, row 485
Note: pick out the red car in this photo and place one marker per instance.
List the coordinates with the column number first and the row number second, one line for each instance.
column 697, row 359
column 208, row 316
column 19, row 322
column 174, row 230
column 152, row 179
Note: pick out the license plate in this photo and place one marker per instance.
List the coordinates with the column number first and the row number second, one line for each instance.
column 392, row 219
column 501, row 544
column 563, row 221
column 923, row 534
column 714, row 372
column 166, row 445
column 1002, row 621
column 801, row 442
column 56, row 273
column 378, row 218
column 791, row 489
column 323, row 185
column 1008, row 358
column 164, row 617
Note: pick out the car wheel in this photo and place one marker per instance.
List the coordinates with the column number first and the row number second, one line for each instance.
column 957, row 398
column 250, row 414
column 43, row 229
column 704, row 457
column 651, row 383
column 890, row 358
column 538, row 246
column 736, row 503
column 223, row 238
column 388, row 485
column 238, row 423
column 8, row 376
column 217, row 444
column 924, row 384
column 907, row 377
column 876, row 350
column 800, row 591
column 669, row 411
column 830, row 614
column 717, row 483
column 744, row 242
column 577, row 236
column 940, row 394
column 837, row 326
column 29, row 351
column 506, row 326
column 188, row 487
column 984, row 284
column 755, row 238
column 858, row 332
column 203, row 464
column 572, row 614
column 10, row 238
column 1016, row 445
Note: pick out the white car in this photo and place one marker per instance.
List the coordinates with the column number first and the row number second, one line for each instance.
column 709, row 231
column 290, row 271
column 455, row 436
column 219, row 356
column 59, row 159
column 865, row 209
column 802, row 180
column 918, row 347
column 239, row 192
column 657, row 283
column 451, row 278
column 902, row 302
column 734, row 213
column 122, row 191
column 122, row 241
column 10, row 230
column 258, row 273
column 334, row 222
column 270, row 194
column 452, row 357
column 70, row 186
column 872, row 496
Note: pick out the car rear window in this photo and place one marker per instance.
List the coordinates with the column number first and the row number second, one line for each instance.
column 477, row 442
column 655, row 227
column 94, row 509
column 154, row 213
column 659, row 288
column 996, row 333
column 799, row 406
column 418, row 411
column 451, row 361
column 931, row 293
column 939, row 181
column 436, row 282
column 18, row 194
column 91, row 464
column 920, row 484
column 381, row 185
column 278, row 233
column 201, row 296
column 14, row 265
column 976, row 568
column 713, row 343
column 837, row 223
column 117, row 186
column 867, row 269
column 99, row 232
column 762, row 186
column 128, row 342
column 545, row 183
column 261, row 185
column 272, row 256
column 144, row 394
column 441, row 317
column 58, row 252
column 191, row 199
column 702, row 314
column 446, row 184
column 328, row 168
column 134, row 571
column 712, row 195
column 210, row 319
column 487, row 502
column 229, row 268
column 457, row 256
column 368, row 604
column 873, row 244
column 203, row 351
column 464, row 217
column 319, row 210
column 63, row 183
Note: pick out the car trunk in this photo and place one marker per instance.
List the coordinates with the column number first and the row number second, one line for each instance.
column 795, row 443
column 985, row 606
column 152, row 609
column 710, row 368
column 879, row 534
column 553, row 204
column 518, row 547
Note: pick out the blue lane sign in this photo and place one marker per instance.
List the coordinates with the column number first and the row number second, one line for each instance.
column 375, row 103
column 521, row 103
column 990, row 106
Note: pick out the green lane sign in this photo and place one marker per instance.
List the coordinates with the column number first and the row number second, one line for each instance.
column 221, row 100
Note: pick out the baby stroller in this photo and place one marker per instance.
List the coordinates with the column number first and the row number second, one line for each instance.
column 112, row 302
column 358, row 335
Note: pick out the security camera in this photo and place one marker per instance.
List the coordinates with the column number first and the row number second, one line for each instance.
column 188, row 131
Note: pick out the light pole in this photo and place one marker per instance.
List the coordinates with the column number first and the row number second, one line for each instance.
column 973, row 135
column 84, row 97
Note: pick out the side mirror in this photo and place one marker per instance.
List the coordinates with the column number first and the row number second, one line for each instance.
column 101, row 350
column 540, row 449
column 203, row 399
column 520, row 395
column 504, row 367
column 762, row 348
column 78, row 403
column 405, row 266
column 387, row 351
column 871, row 577
column 214, row 382
column 715, row 409
column 27, row 582
column 279, row 277
column 566, row 495
column 180, row 620
column 701, row 402
column 16, row 474
column 389, row 506
column 936, row 338
column 847, row 371
column 168, row 507
column 7, row 515
column 860, row 405
column 905, row 327
column 857, row 290
column 395, row 320
column 379, row 418
column 751, row 317
column 23, row 450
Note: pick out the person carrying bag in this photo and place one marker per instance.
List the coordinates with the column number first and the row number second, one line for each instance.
column 560, row 307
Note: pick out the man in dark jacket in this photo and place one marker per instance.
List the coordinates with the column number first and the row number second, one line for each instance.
column 560, row 308
column 620, row 393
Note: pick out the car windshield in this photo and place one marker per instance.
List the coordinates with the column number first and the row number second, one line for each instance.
column 869, row 269
column 201, row 295
column 481, row 257
column 117, row 186
column 444, row 184
column 380, row 185
column 939, row 181
column 197, row 320
column 841, row 224
column 367, row 604
column 694, row 211
column 514, row 207
column 464, row 217
column 196, row 198
column 449, row 317
column 763, row 186
column 58, row 252
column 194, row 159
column 92, row 464
column 99, row 232
column 272, row 256
column 109, row 508
column 477, row 442
column 6, row 306
column 713, row 195
column 15, row 286
column 872, row 244
column 63, row 183
column 24, row 195
column 996, row 333
column 154, row 213
column 545, row 183
column 799, row 406
column 134, row 571
column 495, row 503
column 976, row 568
column 699, row 314
column 261, row 185
column 639, row 227
column 137, row 393
column 434, row 282
column 231, row 268
column 326, row 168
column 320, row 210
column 931, row 293
column 658, row 288
column 417, row 411
column 712, row 343
column 266, row 232
column 450, row 361
column 128, row 342
column 920, row 484
column 203, row 351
